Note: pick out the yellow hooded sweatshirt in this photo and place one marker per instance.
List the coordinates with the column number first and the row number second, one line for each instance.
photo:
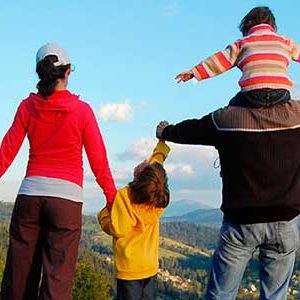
column 135, row 230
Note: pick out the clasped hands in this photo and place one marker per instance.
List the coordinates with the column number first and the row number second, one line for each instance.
column 160, row 128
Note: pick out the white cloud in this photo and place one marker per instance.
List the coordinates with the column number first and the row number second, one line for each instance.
column 119, row 112
column 193, row 153
column 142, row 148
column 138, row 150
column 179, row 169
column 187, row 169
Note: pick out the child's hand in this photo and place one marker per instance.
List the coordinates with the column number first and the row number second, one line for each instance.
column 160, row 128
column 109, row 205
column 184, row 76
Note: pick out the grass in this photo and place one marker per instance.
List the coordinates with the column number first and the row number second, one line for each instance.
column 169, row 253
column 178, row 245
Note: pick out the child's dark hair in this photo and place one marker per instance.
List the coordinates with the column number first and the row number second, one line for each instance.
column 49, row 74
column 256, row 16
column 151, row 187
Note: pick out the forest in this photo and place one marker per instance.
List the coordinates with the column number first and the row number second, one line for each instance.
column 185, row 254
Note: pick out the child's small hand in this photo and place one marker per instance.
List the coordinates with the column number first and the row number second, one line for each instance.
column 184, row 76
column 160, row 128
column 109, row 205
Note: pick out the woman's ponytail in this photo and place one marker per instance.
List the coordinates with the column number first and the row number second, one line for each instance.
column 49, row 74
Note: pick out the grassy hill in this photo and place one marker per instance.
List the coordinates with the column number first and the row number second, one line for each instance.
column 168, row 247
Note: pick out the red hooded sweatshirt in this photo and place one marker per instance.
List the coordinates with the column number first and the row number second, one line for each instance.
column 57, row 129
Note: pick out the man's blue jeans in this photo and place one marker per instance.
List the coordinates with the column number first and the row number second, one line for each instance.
column 277, row 243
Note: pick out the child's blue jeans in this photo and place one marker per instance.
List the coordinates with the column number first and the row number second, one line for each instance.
column 260, row 98
column 277, row 243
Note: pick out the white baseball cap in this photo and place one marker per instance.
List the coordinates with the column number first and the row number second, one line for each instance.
column 53, row 49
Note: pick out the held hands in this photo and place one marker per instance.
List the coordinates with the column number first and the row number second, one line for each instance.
column 109, row 205
column 184, row 76
column 160, row 128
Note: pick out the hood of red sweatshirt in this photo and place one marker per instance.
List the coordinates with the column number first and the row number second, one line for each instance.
column 55, row 106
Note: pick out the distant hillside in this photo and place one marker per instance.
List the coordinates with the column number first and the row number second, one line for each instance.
column 200, row 216
column 182, row 207
column 202, row 236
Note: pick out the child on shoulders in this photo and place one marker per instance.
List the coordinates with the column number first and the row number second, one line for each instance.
column 263, row 57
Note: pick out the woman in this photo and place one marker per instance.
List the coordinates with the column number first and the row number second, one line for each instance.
column 46, row 221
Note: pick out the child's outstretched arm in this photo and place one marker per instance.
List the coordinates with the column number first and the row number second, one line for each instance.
column 216, row 64
column 159, row 153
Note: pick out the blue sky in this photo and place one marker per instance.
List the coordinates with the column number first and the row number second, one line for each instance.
column 127, row 54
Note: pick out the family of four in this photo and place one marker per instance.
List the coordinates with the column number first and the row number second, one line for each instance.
column 258, row 140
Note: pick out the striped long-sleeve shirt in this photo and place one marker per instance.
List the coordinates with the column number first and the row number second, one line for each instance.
column 263, row 57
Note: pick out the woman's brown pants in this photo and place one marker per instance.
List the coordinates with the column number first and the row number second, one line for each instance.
column 43, row 245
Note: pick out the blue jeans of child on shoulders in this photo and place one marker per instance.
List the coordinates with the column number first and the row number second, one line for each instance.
column 260, row 98
column 277, row 243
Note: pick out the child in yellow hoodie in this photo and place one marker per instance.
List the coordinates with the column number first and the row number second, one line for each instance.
column 134, row 224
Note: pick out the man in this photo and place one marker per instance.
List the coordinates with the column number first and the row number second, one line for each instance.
column 259, row 153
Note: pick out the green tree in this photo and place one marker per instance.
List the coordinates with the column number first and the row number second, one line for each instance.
column 88, row 285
